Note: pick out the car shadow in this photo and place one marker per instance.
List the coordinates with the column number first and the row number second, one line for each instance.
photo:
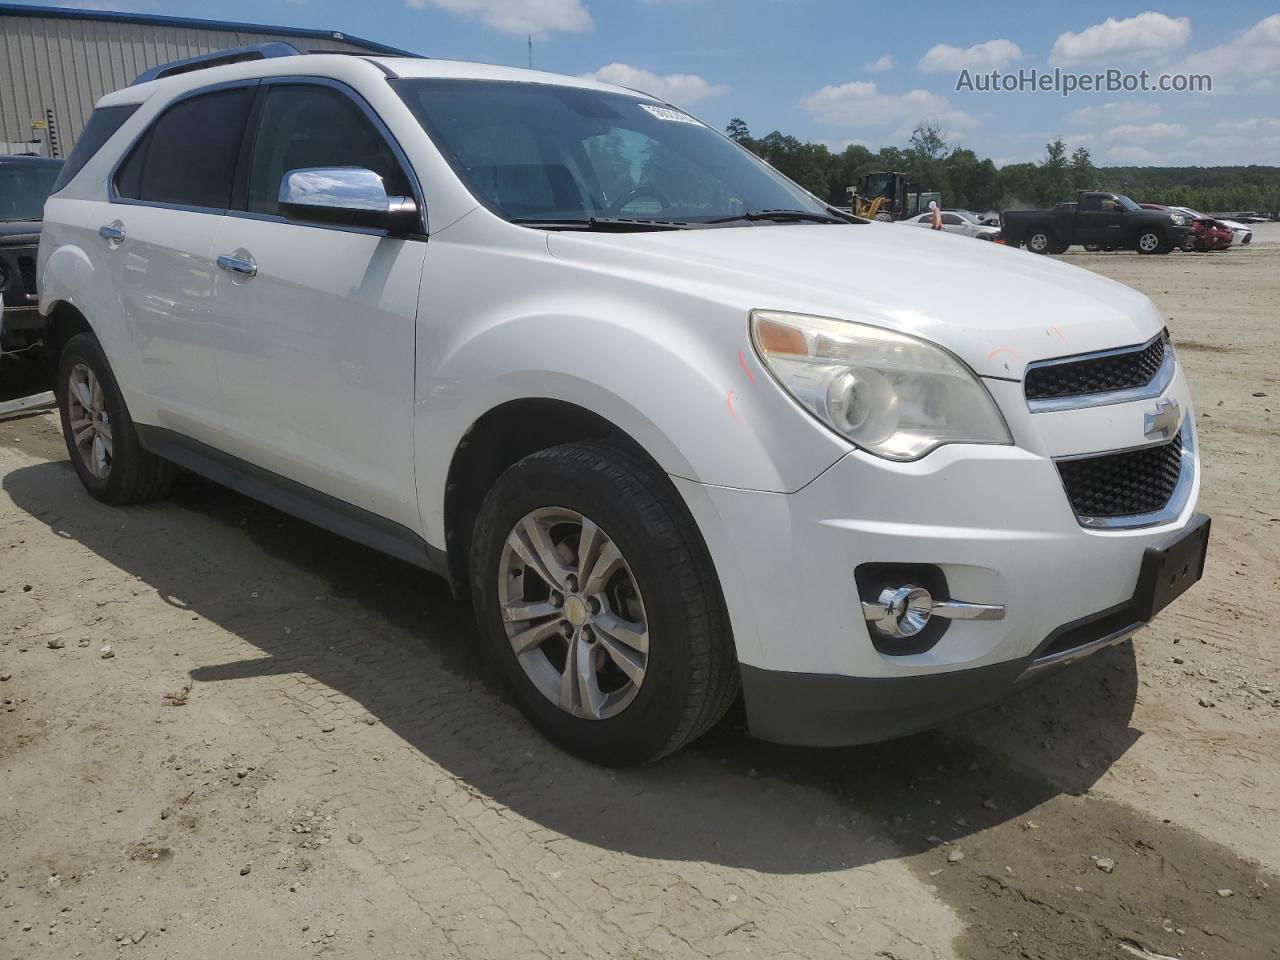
column 402, row 647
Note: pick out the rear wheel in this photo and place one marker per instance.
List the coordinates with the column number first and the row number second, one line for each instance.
column 1093, row 247
column 600, row 606
column 101, row 439
column 1040, row 240
column 1150, row 241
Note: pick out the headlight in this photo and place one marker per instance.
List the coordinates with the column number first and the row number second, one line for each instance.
column 888, row 393
column 1179, row 220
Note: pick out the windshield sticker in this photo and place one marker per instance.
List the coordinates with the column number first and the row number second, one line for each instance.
column 666, row 113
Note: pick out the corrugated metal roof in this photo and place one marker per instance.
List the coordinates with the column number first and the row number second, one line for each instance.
column 56, row 63
column 227, row 26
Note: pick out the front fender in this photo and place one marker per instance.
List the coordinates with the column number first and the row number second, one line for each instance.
column 679, row 377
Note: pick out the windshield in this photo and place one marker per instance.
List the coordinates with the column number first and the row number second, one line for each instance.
column 539, row 152
column 24, row 189
column 1127, row 203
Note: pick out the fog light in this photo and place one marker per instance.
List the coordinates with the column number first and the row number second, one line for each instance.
column 901, row 611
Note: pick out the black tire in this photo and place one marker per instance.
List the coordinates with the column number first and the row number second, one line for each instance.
column 1110, row 249
column 1060, row 248
column 1189, row 243
column 1092, row 247
column 134, row 474
column 1041, row 240
column 691, row 674
column 1150, row 241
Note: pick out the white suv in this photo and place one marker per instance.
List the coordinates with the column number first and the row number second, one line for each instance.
column 679, row 429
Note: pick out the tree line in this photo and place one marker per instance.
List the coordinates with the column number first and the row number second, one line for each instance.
column 969, row 182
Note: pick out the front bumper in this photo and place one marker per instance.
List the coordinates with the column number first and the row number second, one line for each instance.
column 816, row 710
column 997, row 523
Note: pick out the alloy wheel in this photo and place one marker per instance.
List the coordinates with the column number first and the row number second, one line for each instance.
column 90, row 422
column 1148, row 242
column 573, row 613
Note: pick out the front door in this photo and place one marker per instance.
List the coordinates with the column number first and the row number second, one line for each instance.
column 317, row 324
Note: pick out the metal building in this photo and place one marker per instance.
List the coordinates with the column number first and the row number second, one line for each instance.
column 56, row 62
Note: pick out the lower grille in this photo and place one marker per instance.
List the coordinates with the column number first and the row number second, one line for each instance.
column 1126, row 484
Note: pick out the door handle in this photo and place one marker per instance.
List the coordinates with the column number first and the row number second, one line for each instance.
column 240, row 263
column 113, row 232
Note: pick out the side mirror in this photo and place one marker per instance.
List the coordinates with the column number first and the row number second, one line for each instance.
column 346, row 197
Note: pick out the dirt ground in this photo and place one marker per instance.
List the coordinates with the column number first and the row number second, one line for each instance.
column 292, row 749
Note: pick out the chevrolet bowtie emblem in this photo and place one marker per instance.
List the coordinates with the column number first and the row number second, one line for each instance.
column 1163, row 422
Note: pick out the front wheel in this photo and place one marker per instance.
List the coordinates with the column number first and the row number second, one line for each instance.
column 1150, row 241
column 1189, row 243
column 599, row 604
column 101, row 439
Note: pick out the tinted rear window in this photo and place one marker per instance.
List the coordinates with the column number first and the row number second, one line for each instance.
column 101, row 127
column 188, row 156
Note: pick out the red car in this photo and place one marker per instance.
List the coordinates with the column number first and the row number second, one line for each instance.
column 1207, row 233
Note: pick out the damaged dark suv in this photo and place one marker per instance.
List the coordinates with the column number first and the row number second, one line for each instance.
column 25, row 184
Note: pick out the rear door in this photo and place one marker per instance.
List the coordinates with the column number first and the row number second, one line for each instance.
column 316, row 348
column 167, row 197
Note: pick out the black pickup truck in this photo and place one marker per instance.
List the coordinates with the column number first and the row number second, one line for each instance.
column 1111, row 221
column 25, row 184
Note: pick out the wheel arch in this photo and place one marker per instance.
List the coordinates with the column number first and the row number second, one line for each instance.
column 500, row 438
column 63, row 320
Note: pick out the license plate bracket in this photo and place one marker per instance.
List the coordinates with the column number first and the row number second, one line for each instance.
column 1170, row 569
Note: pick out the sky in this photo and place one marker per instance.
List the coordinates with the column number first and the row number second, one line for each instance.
column 846, row 71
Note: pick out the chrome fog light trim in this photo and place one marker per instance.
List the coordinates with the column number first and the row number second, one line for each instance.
column 904, row 611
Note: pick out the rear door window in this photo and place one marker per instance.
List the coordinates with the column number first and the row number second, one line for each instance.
column 188, row 156
column 308, row 125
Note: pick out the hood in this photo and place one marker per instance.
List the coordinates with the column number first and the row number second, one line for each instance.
column 996, row 307
column 19, row 231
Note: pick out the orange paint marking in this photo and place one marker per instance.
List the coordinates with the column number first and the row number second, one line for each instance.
column 742, row 362
column 728, row 402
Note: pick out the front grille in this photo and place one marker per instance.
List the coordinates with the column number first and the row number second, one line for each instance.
column 27, row 268
column 18, row 267
column 1115, row 371
column 1126, row 484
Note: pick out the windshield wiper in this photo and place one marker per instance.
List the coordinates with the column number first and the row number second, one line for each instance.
column 782, row 216
column 603, row 224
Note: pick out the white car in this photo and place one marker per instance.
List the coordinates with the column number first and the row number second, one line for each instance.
column 676, row 428
column 1241, row 233
column 965, row 224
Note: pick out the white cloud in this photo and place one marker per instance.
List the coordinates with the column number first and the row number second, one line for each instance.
column 681, row 88
column 944, row 58
column 862, row 104
column 1115, row 112
column 1146, row 35
column 1130, row 156
column 881, row 65
column 1145, row 132
column 1252, row 56
column 1250, row 125
column 520, row 17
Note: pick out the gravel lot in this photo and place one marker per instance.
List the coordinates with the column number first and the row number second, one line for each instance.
column 226, row 733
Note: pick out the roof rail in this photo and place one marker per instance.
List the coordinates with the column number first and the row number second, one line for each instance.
column 219, row 58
